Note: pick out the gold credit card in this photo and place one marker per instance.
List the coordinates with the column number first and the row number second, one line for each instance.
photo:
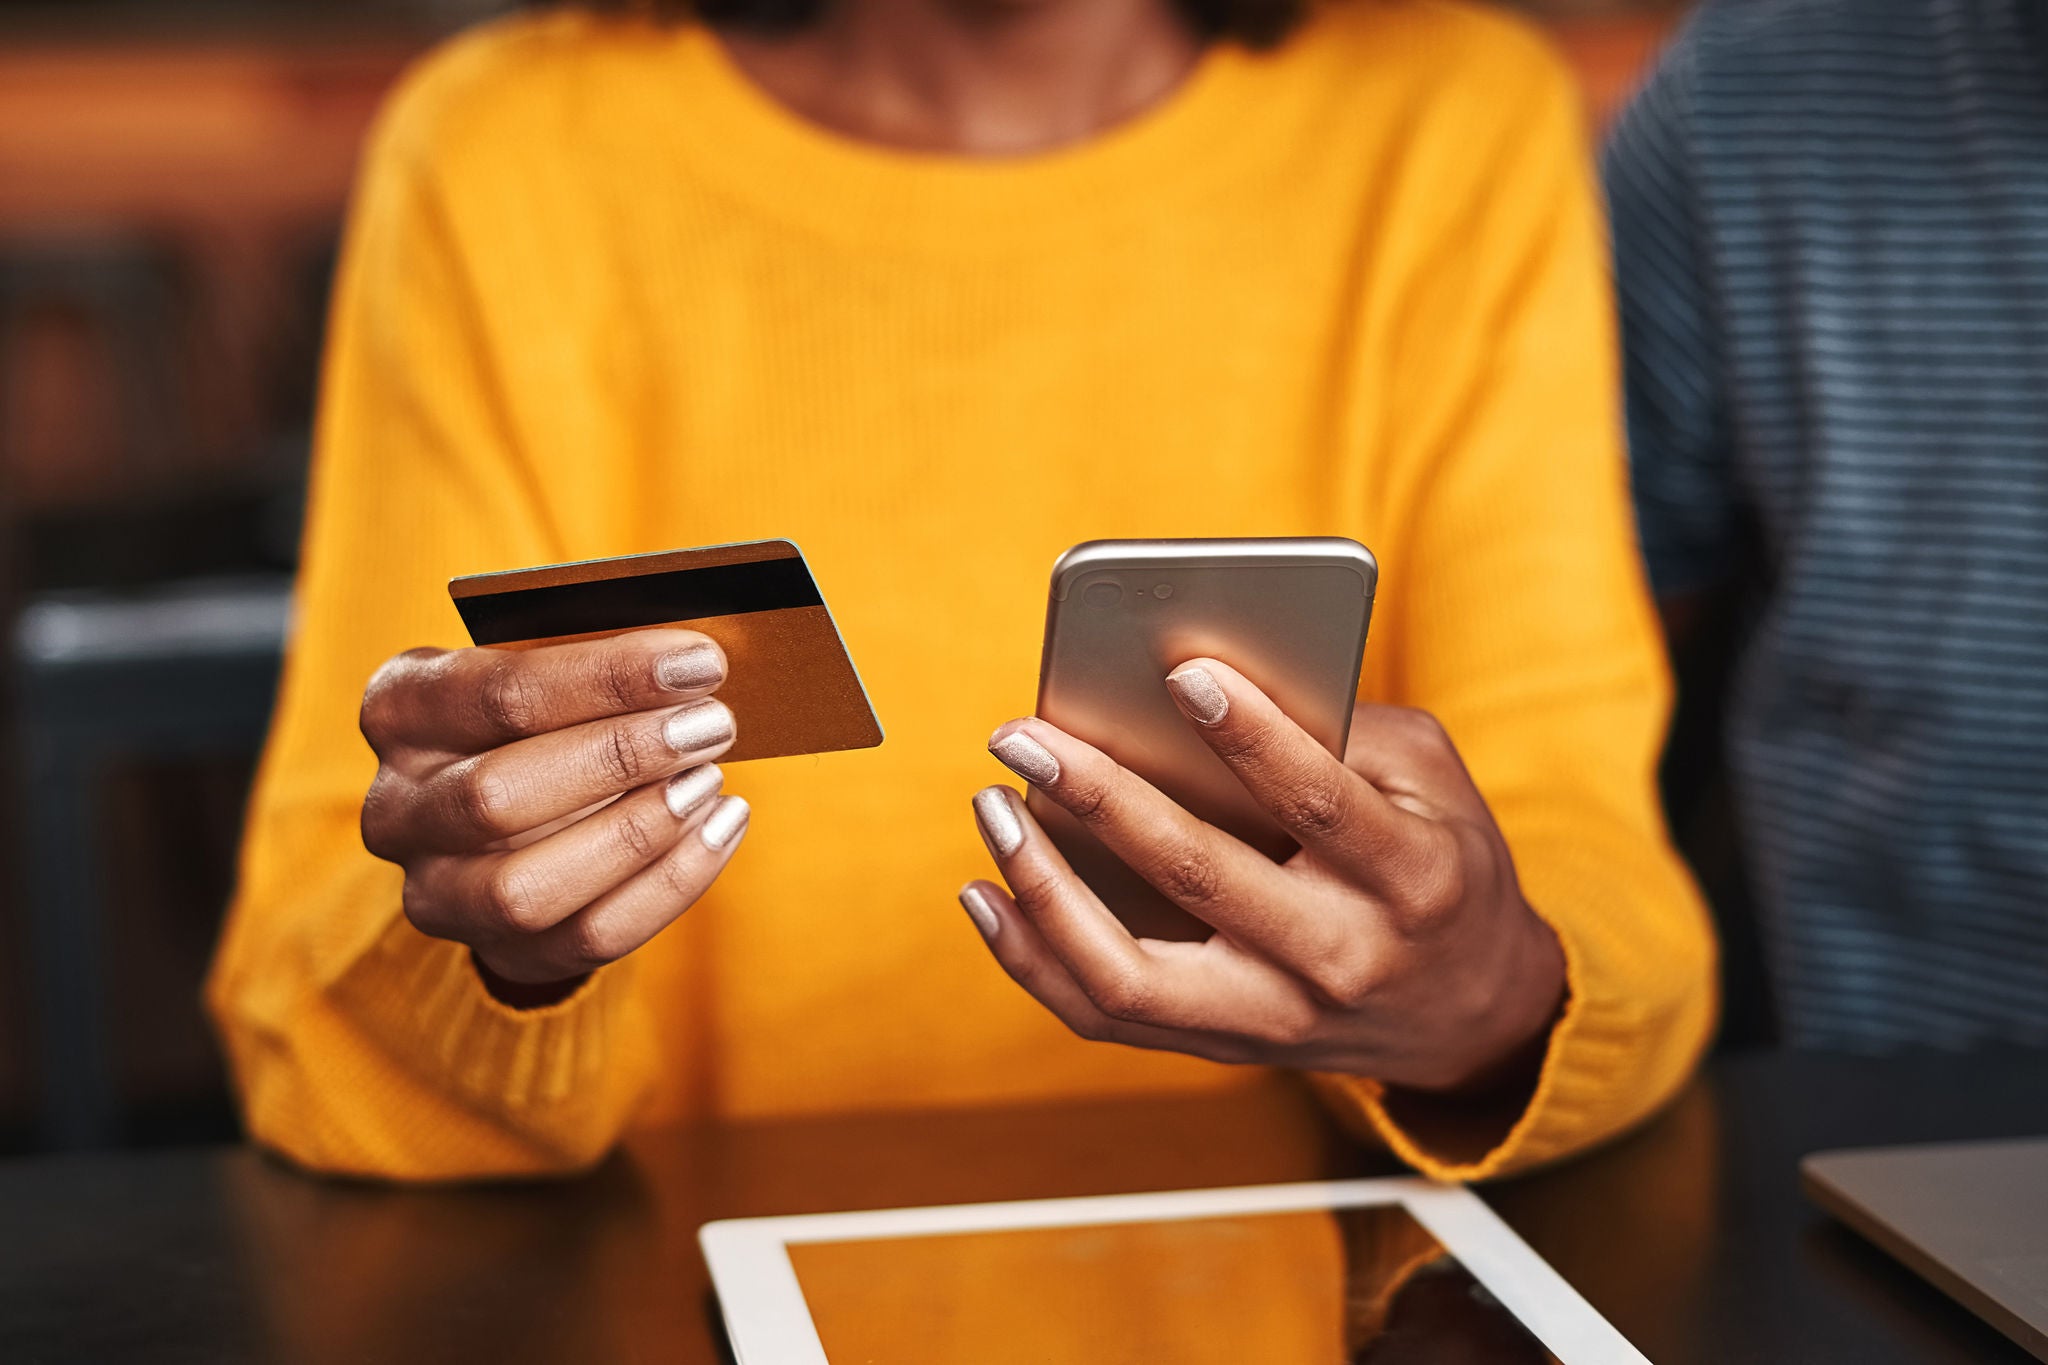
column 789, row 680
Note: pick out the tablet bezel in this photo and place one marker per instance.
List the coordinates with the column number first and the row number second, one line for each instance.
column 769, row 1322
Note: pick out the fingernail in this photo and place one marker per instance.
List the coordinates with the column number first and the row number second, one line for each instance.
column 727, row 821
column 980, row 911
column 699, row 725
column 691, row 788
column 697, row 666
column 1026, row 757
column 1196, row 691
column 998, row 819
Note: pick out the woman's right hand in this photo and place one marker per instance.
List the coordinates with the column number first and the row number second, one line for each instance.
column 553, row 808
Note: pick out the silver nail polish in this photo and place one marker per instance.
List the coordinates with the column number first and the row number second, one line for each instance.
column 1199, row 694
column 700, row 725
column 997, row 814
column 727, row 821
column 1027, row 758
column 691, row 788
column 980, row 911
column 697, row 666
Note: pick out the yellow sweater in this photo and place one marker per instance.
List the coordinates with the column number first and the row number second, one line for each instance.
column 602, row 296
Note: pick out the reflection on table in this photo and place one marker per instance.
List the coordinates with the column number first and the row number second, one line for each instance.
column 1313, row 1288
column 1690, row 1236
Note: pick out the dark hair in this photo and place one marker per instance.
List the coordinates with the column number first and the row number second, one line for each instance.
column 1255, row 23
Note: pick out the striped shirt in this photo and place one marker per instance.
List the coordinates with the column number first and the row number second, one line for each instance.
column 1831, row 241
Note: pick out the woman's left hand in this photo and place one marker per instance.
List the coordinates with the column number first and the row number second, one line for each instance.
column 1395, row 944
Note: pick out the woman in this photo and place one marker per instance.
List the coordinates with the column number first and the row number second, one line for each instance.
column 937, row 288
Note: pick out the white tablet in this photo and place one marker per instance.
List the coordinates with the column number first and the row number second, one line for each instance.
column 1330, row 1273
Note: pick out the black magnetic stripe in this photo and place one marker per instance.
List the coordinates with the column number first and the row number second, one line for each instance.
column 646, row 600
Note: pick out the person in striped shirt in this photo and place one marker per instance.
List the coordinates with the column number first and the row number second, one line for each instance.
column 1830, row 225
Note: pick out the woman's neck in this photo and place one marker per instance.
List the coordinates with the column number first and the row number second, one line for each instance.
column 978, row 77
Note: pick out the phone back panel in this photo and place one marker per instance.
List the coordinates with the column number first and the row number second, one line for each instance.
column 1290, row 614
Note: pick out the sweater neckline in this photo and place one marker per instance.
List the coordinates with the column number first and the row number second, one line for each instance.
column 760, row 149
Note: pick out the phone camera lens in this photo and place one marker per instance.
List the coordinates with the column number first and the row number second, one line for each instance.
column 1162, row 591
column 1103, row 595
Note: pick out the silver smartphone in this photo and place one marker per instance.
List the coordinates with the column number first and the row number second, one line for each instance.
column 1290, row 613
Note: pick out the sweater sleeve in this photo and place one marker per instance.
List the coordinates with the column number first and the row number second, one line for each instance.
column 357, row 1044
column 1514, row 608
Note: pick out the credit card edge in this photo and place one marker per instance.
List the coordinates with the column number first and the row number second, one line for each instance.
column 618, row 559
column 874, row 714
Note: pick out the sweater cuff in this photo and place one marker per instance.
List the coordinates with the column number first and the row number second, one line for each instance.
column 1588, row 1056
column 422, row 1000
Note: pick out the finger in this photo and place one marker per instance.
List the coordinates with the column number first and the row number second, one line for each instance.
column 1089, row 942
column 497, row 795
column 1198, row 867
column 1124, row 978
column 625, row 918
column 540, row 832
column 1225, row 883
column 1021, row 952
column 1319, row 802
column 464, row 701
column 1407, row 754
column 476, row 899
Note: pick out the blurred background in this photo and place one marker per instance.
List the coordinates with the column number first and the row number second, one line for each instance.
column 172, row 178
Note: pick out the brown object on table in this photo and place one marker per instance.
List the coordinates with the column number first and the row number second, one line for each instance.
column 1969, row 1217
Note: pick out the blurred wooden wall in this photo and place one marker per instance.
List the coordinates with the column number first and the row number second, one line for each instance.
column 216, row 169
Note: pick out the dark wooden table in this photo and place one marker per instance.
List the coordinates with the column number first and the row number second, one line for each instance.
column 1691, row 1235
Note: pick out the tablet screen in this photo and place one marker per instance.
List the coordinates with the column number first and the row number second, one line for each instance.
column 1321, row 1287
